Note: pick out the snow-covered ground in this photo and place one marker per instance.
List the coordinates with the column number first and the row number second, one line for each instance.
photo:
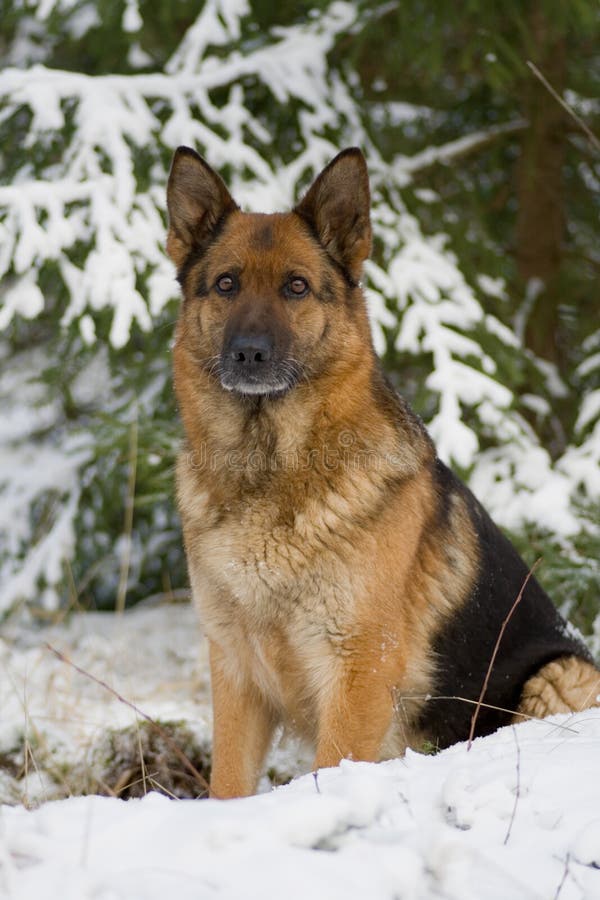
column 517, row 816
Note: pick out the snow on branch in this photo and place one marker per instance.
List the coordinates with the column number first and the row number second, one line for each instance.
column 113, row 126
column 452, row 151
column 84, row 197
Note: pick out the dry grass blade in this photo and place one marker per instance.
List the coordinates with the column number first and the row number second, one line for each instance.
column 495, row 652
column 163, row 733
column 128, row 523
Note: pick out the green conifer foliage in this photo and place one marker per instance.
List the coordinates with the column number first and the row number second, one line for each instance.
column 496, row 345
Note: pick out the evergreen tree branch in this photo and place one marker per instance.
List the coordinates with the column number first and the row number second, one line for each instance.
column 447, row 154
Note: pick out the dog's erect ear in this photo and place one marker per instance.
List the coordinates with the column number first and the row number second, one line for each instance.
column 336, row 207
column 197, row 200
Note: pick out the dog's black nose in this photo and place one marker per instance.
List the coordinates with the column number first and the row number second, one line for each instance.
column 251, row 349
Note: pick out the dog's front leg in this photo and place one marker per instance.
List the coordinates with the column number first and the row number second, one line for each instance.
column 355, row 716
column 243, row 726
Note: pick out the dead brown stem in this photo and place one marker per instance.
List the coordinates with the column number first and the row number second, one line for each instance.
column 513, row 712
column 495, row 652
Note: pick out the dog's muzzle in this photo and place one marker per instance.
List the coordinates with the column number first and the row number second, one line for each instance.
column 249, row 365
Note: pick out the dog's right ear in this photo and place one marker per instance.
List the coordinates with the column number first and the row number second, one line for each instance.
column 197, row 200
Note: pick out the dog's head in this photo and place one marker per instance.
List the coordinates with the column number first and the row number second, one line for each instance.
column 269, row 300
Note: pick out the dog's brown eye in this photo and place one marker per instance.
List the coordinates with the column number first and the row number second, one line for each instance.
column 225, row 284
column 297, row 287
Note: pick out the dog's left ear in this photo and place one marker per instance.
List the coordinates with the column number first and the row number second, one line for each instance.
column 337, row 207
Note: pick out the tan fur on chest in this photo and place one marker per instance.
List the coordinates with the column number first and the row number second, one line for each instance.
column 277, row 584
column 301, row 598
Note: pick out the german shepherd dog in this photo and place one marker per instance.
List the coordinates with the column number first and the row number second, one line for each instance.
column 350, row 586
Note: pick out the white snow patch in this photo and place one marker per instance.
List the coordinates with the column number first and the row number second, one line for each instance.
column 506, row 819
column 132, row 19
column 589, row 410
column 24, row 297
column 493, row 287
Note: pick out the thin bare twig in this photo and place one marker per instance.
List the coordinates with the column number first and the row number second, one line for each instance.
column 495, row 651
column 513, row 712
column 161, row 731
column 518, row 787
column 569, row 109
column 141, row 752
column 160, row 787
column 564, row 878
